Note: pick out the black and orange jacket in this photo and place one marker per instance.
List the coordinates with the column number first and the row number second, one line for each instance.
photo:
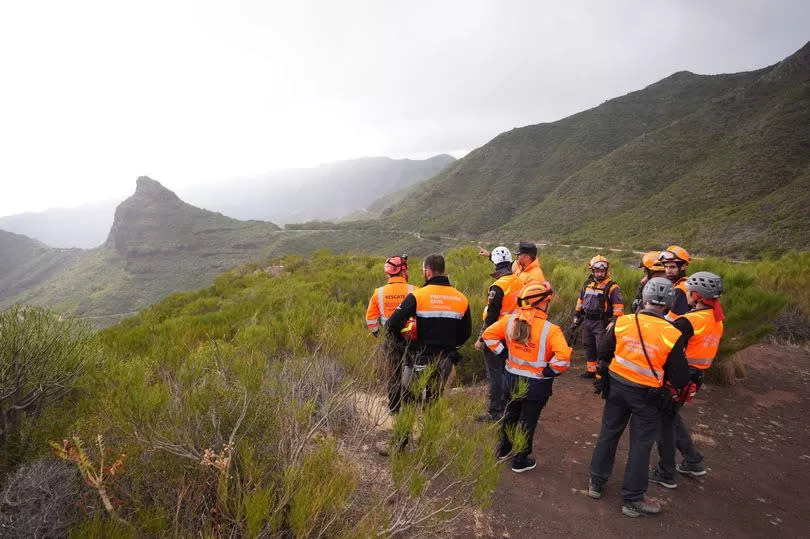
column 502, row 297
column 665, row 343
column 442, row 318
column 679, row 304
column 600, row 298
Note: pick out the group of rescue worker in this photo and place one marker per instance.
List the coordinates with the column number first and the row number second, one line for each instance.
column 646, row 364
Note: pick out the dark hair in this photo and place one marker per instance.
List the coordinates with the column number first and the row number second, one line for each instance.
column 521, row 331
column 434, row 263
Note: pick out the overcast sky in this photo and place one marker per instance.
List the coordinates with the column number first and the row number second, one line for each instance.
column 96, row 93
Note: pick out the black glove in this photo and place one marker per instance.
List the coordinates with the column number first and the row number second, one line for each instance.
column 577, row 321
column 635, row 305
column 454, row 357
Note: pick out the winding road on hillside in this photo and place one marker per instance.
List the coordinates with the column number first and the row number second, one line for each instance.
column 756, row 443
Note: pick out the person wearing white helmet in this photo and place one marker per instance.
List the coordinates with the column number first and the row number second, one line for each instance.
column 501, row 301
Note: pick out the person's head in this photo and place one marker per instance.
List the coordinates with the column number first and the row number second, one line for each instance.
column 599, row 267
column 432, row 266
column 526, row 253
column 533, row 297
column 396, row 266
column 675, row 259
column 651, row 265
column 658, row 294
column 501, row 257
column 702, row 286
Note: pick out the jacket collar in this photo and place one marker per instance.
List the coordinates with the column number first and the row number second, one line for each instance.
column 441, row 280
column 500, row 272
column 397, row 279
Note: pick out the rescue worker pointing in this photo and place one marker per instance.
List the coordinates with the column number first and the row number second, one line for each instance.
column 599, row 304
column 501, row 301
column 380, row 307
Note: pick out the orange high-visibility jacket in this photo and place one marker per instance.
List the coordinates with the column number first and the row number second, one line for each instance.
column 611, row 304
column 511, row 286
column 532, row 273
column 546, row 355
column 660, row 337
column 385, row 300
column 702, row 346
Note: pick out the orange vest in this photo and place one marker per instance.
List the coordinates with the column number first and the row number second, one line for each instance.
column 702, row 346
column 385, row 300
column 511, row 287
column 629, row 362
column 680, row 284
column 531, row 274
column 438, row 301
column 546, row 346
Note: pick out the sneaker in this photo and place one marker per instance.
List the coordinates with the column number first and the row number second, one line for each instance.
column 588, row 374
column 695, row 470
column 594, row 490
column 658, row 478
column 644, row 506
column 524, row 464
column 502, row 452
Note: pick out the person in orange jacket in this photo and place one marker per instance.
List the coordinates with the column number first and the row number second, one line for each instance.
column 704, row 325
column 537, row 352
column 641, row 353
column 599, row 304
column 381, row 306
column 527, row 266
column 675, row 260
column 652, row 268
column 501, row 301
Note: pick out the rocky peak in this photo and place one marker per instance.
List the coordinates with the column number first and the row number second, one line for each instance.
column 147, row 188
column 796, row 66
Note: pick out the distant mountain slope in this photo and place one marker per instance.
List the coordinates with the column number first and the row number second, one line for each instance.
column 329, row 191
column 85, row 226
column 326, row 192
column 707, row 160
column 157, row 245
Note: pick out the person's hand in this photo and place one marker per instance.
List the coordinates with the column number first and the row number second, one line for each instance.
column 483, row 252
column 609, row 327
column 479, row 345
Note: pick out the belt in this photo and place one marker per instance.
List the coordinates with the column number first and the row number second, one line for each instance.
column 596, row 316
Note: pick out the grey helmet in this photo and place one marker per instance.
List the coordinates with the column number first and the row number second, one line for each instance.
column 705, row 283
column 659, row 291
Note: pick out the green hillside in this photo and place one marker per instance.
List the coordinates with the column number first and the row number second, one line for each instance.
column 717, row 162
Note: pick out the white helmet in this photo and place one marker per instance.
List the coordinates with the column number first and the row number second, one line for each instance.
column 500, row 254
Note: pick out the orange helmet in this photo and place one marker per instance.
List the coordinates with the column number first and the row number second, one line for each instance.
column 533, row 295
column 598, row 261
column 675, row 253
column 651, row 262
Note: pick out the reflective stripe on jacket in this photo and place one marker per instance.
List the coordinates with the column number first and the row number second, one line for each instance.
column 629, row 362
column 603, row 297
column 389, row 297
column 546, row 355
column 511, row 286
column 702, row 346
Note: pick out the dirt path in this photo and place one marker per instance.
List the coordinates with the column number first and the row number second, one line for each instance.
column 754, row 436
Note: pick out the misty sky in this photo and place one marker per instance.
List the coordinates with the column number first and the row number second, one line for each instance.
column 96, row 93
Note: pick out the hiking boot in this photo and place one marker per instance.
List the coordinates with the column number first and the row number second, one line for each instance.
column 594, row 490
column 502, row 452
column 644, row 506
column 693, row 469
column 659, row 479
column 523, row 464
column 588, row 374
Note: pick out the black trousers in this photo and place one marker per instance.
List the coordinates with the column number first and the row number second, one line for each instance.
column 523, row 413
column 495, row 364
column 625, row 404
column 675, row 435
column 394, row 354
